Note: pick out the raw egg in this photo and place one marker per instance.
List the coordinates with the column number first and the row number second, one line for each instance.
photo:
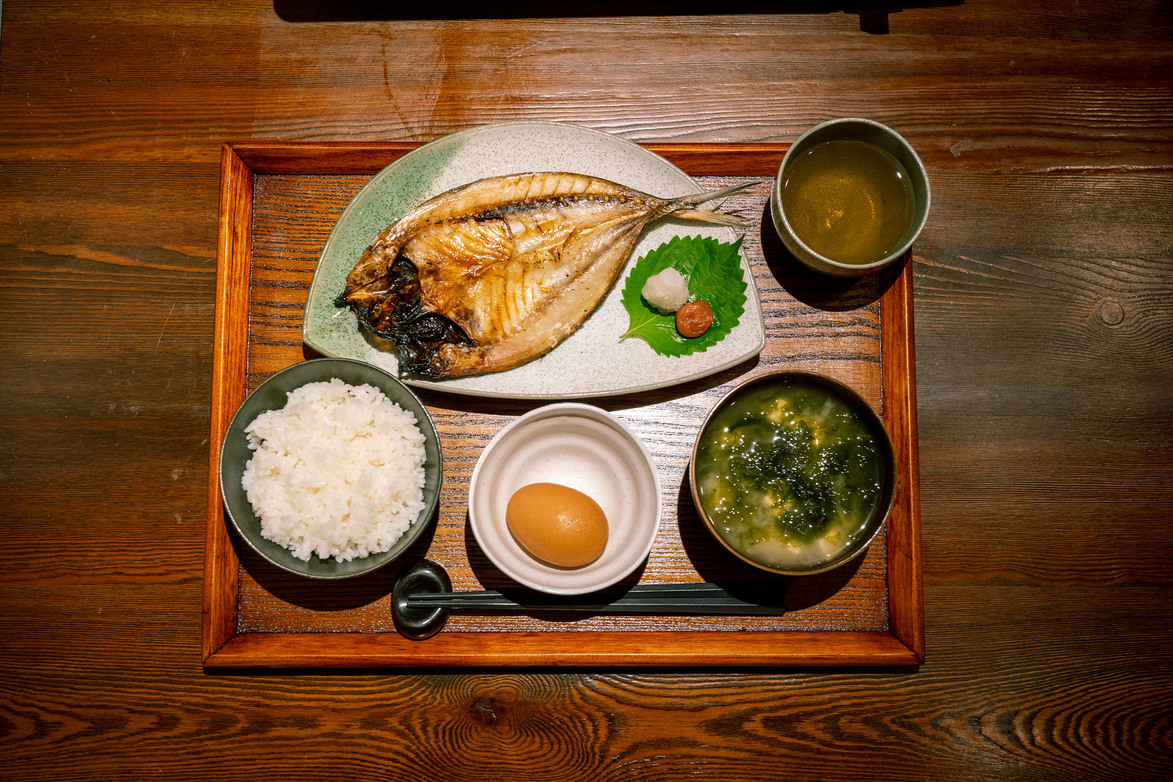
column 557, row 524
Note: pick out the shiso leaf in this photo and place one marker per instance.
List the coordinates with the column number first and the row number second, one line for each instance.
column 714, row 273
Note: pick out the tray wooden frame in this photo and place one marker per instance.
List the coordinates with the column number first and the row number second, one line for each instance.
column 224, row 647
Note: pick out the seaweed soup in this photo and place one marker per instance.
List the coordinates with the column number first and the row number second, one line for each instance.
column 790, row 474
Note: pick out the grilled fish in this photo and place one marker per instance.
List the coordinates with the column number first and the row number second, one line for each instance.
column 493, row 274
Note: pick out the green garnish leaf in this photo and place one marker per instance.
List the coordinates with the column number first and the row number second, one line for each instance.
column 714, row 274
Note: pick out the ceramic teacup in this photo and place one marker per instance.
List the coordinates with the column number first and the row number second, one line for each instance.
column 876, row 135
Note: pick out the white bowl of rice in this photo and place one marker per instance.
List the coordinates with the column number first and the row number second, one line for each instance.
column 331, row 468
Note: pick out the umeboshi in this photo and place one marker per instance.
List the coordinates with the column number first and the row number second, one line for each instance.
column 694, row 318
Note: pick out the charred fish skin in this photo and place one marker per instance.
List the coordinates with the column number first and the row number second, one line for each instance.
column 393, row 311
column 491, row 275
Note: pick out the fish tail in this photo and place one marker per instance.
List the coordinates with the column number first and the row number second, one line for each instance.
column 699, row 198
column 709, row 216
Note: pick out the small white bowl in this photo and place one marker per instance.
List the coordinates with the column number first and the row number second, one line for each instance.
column 587, row 449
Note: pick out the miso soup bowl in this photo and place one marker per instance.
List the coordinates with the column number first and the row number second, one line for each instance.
column 871, row 132
column 875, row 427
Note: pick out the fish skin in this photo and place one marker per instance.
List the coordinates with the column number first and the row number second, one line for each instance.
column 491, row 275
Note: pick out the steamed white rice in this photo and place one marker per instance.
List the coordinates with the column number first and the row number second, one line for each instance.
column 337, row 472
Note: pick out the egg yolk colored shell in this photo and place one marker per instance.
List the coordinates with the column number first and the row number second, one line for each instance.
column 557, row 524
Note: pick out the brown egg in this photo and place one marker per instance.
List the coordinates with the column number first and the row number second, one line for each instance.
column 557, row 524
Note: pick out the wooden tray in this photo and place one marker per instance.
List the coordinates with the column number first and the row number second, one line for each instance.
column 278, row 203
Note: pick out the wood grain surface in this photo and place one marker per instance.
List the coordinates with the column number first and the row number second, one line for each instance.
column 1044, row 363
column 869, row 612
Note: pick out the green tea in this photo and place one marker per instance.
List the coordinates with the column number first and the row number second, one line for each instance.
column 848, row 201
column 789, row 475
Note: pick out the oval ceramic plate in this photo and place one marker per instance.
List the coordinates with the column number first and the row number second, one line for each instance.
column 272, row 395
column 592, row 361
column 585, row 448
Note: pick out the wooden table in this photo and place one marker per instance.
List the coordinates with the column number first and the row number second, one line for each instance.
column 1044, row 363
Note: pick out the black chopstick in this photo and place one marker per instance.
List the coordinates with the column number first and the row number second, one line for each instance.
column 688, row 598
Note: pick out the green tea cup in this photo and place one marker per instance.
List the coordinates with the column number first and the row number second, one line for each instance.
column 850, row 197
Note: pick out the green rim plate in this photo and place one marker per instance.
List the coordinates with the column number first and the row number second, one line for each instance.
column 593, row 361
